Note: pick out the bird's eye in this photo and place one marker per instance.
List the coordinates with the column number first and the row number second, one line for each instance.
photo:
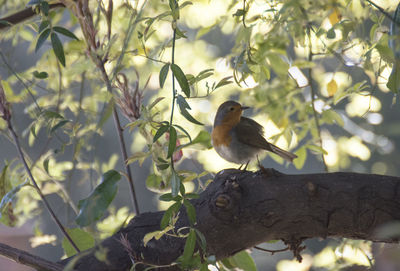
column 232, row 108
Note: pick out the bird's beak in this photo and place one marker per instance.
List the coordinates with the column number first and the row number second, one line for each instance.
column 244, row 107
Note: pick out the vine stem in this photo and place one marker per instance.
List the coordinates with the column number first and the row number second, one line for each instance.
column 28, row 170
column 173, row 83
column 313, row 94
column 120, row 130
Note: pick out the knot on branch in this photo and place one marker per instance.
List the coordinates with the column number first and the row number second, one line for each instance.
column 226, row 201
column 294, row 245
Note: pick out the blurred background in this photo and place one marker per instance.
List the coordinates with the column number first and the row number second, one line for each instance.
column 292, row 62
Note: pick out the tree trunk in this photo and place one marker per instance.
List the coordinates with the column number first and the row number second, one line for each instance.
column 241, row 209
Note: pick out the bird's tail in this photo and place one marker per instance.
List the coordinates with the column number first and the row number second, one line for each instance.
column 282, row 153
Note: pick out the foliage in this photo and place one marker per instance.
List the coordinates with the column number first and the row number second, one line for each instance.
column 320, row 76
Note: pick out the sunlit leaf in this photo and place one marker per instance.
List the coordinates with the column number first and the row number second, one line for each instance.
column 332, row 87
column 244, row 261
column 155, row 183
column 334, row 17
column 82, row 239
column 301, row 158
column 93, row 207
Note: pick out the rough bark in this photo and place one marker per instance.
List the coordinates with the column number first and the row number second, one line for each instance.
column 239, row 210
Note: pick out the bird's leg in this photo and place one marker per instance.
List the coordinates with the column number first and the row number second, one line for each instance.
column 245, row 167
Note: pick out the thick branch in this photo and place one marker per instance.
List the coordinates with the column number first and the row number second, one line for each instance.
column 262, row 206
column 22, row 15
column 28, row 259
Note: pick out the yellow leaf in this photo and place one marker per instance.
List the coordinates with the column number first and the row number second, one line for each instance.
column 334, row 17
column 332, row 87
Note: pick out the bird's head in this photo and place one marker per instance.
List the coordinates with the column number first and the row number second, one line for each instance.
column 229, row 113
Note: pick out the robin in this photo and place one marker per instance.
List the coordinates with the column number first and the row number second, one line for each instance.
column 238, row 139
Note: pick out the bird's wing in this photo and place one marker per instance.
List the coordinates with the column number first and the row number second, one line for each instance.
column 250, row 132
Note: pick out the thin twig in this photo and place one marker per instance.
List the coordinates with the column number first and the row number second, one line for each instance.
column 120, row 130
column 173, row 85
column 20, row 79
column 272, row 251
column 25, row 258
column 28, row 171
column 313, row 95
column 383, row 12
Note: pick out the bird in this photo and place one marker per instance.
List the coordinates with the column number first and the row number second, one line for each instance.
column 238, row 139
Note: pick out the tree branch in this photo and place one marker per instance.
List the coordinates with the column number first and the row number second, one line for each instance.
column 25, row 258
column 256, row 207
column 23, row 15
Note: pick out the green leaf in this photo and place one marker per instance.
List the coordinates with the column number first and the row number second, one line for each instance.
column 183, row 131
column 331, row 33
column 182, row 102
column 61, row 123
column 189, row 117
column 155, row 183
column 317, row 149
column 191, row 211
column 169, row 197
column 93, row 207
column 33, row 2
column 173, row 4
column 58, row 48
column 191, row 196
column 156, row 101
column 43, row 25
column 224, row 81
column 105, row 114
column 239, row 13
column 172, row 141
column 244, row 261
column 179, row 33
column 40, row 75
column 162, row 166
column 301, row 158
column 394, row 79
column 182, row 80
column 82, row 239
column 8, row 197
column 48, row 114
column 332, row 116
column 175, row 183
column 42, row 38
column 202, row 238
column 169, row 213
column 65, row 32
column 189, row 248
column 160, row 132
column 44, row 7
column 163, row 74
column 46, row 165
column 138, row 156
column 203, row 138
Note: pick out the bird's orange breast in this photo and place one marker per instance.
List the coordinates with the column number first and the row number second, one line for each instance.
column 220, row 136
